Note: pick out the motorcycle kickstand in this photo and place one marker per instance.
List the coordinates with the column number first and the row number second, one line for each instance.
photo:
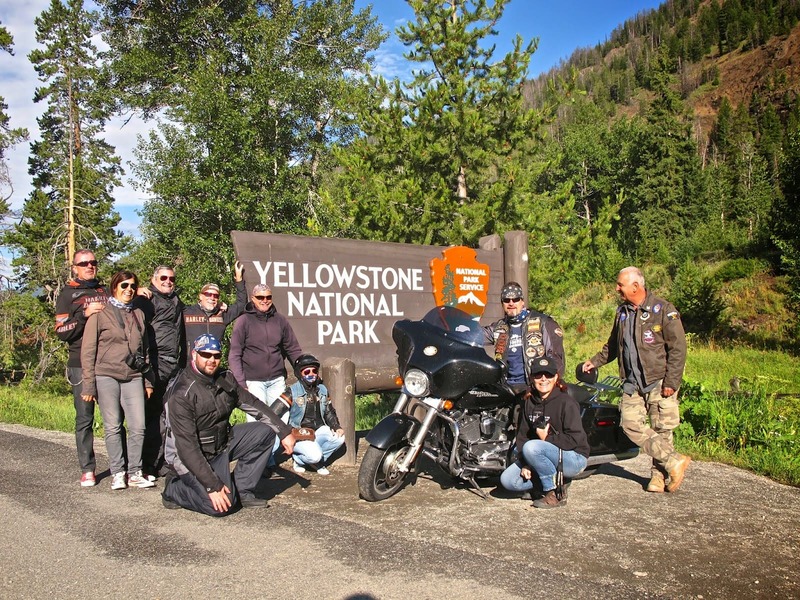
column 477, row 488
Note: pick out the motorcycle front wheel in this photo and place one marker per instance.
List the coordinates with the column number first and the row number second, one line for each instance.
column 379, row 477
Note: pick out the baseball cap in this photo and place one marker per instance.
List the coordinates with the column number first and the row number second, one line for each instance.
column 206, row 343
column 544, row 365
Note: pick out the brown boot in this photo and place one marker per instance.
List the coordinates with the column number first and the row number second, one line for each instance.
column 549, row 501
column 657, row 483
column 677, row 472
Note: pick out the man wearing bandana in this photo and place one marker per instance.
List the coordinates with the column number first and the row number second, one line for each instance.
column 522, row 336
column 649, row 343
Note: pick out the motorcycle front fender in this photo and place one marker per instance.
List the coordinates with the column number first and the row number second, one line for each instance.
column 392, row 429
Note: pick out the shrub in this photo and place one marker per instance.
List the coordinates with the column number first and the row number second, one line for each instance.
column 696, row 295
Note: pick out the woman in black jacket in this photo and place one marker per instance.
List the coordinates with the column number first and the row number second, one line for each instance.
column 549, row 428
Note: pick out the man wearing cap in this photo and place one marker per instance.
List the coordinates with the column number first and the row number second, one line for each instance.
column 522, row 336
column 201, row 444
column 208, row 315
column 262, row 339
column 82, row 297
column 649, row 343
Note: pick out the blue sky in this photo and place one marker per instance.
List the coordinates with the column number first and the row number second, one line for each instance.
column 561, row 26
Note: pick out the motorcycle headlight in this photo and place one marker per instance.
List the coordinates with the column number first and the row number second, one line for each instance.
column 416, row 382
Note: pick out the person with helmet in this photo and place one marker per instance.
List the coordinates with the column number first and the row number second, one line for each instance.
column 311, row 416
column 522, row 336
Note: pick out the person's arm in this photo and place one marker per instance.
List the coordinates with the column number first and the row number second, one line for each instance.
column 237, row 309
column 555, row 344
column 331, row 418
column 289, row 344
column 236, row 352
column 71, row 317
column 572, row 434
column 609, row 351
column 183, row 423
column 88, row 357
column 675, row 342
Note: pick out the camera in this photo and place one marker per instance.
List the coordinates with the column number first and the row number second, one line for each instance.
column 137, row 362
column 539, row 421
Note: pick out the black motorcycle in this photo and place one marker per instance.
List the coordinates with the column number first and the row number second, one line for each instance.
column 455, row 409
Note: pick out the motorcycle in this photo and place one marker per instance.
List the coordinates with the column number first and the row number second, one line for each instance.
column 455, row 409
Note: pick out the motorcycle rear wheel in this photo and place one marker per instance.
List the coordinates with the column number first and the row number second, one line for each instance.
column 378, row 477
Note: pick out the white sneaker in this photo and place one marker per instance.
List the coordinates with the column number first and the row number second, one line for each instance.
column 298, row 469
column 323, row 471
column 118, row 481
column 140, row 481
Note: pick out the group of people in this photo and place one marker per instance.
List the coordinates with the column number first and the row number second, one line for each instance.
column 649, row 344
column 148, row 360
column 152, row 363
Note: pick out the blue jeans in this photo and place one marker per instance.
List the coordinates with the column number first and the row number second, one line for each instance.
column 319, row 450
column 542, row 457
column 266, row 391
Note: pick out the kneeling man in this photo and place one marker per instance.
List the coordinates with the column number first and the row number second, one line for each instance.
column 201, row 443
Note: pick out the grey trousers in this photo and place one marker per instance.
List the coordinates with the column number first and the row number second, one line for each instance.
column 120, row 400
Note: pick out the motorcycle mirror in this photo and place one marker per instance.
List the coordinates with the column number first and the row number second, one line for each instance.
column 590, row 377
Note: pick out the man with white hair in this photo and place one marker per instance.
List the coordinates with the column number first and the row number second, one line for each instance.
column 649, row 343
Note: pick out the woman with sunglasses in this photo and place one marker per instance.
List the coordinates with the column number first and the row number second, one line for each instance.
column 114, row 358
column 549, row 431
column 312, row 413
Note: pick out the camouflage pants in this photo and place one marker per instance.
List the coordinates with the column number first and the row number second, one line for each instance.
column 655, row 439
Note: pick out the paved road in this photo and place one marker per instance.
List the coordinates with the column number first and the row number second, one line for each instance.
column 737, row 535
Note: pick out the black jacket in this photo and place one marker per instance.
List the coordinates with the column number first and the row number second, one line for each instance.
column 563, row 413
column 197, row 321
column 164, row 317
column 198, row 412
column 70, row 320
column 543, row 337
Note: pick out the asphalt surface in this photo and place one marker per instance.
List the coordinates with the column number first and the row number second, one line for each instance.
column 725, row 534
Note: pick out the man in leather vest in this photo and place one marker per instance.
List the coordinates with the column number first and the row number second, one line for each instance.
column 201, row 444
column 522, row 336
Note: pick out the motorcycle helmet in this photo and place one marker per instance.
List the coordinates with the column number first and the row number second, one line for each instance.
column 590, row 377
column 303, row 361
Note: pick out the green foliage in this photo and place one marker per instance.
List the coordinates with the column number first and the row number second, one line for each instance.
column 696, row 294
column 27, row 343
column 744, row 427
column 8, row 136
column 440, row 158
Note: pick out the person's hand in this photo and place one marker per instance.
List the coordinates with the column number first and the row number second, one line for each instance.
column 238, row 271
column 93, row 308
column 543, row 431
column 339, row 432
column 143, row 291
column 148, row 391
column 87, row 398
column 666, row 392
column 526, row 473
column 220, row 500
column 223, row 307
column 288, row 443
column 588, row 367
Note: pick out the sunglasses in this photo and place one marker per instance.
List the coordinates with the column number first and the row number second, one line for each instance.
column 309, row 371
column 86, row 263
column 210, row 295
column 165, row 277
column 125, row 285
column 211, row 355
column 262, row 298
column 542, row 375
column 510, row 300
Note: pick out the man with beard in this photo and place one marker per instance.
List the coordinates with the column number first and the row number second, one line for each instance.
column 82, row 297
column 201, row 444
column 522, row 336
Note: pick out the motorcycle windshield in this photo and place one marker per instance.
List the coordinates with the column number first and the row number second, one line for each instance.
column 455, row 324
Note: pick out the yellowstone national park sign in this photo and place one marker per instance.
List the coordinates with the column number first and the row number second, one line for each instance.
column 342, row 297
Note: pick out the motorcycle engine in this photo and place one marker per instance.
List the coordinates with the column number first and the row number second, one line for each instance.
column 483, row 439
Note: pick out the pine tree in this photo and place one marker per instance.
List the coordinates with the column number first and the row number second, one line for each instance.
column 440, row 157
column 8, row 136
column 74, row 170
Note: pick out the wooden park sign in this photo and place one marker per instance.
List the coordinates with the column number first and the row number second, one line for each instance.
column 342, row 297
